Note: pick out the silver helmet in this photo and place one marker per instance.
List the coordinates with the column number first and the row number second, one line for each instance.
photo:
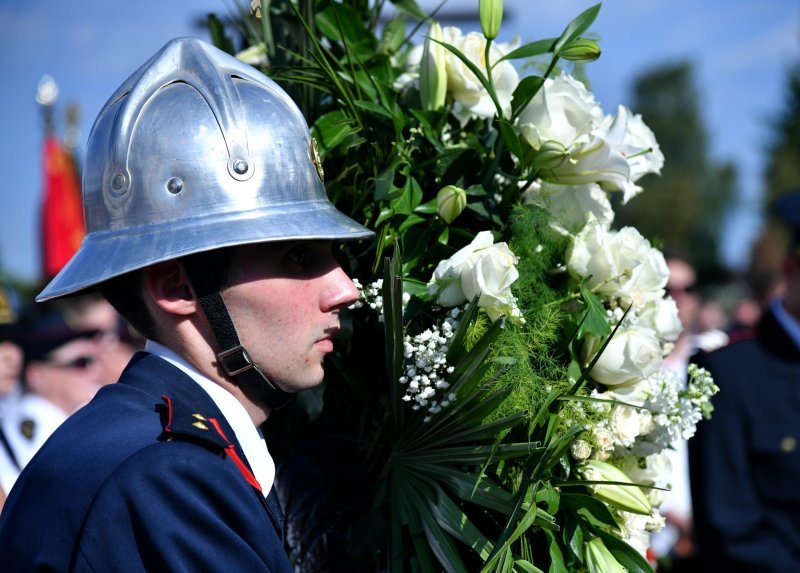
column 196, row 151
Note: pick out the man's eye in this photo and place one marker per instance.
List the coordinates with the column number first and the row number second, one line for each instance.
column 300, row 259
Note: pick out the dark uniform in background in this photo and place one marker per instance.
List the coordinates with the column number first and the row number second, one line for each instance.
column 745, row 461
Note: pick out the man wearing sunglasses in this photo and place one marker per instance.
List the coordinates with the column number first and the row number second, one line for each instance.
column 209, row 230
column 60, row 374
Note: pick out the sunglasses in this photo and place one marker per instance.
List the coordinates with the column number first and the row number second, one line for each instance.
column 79, row 363
column 689, row 289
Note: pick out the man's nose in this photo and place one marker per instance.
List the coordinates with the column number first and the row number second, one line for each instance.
column 341, row 291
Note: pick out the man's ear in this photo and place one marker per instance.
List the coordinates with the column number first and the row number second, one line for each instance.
column 168, row 287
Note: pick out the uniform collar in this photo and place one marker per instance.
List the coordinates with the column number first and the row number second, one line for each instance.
column 789, row 323
column 249, row 437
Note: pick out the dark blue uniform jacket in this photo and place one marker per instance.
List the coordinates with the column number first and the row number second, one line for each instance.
column 147, row 477
column 745, row 461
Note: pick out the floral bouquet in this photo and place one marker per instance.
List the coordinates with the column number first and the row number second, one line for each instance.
column 499, row 402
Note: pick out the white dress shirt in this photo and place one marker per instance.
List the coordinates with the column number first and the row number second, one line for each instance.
column 250, row 437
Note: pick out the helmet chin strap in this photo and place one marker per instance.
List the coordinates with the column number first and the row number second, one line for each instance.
column 234, row 358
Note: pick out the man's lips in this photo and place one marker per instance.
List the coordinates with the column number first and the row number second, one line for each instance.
column 325, row 343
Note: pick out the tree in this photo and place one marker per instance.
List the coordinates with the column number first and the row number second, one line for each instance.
column 782, row 175
column 783, row 168
column 684, row 208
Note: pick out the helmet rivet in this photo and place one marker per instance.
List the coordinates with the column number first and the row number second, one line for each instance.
column 240, row 166
column 175, row 185
column 118, row 182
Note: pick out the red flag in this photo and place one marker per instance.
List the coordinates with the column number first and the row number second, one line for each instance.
column 62, row 211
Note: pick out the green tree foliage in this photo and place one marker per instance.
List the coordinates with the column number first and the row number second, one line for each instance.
column 782, row 174
column 684, row 209
column 783, row 168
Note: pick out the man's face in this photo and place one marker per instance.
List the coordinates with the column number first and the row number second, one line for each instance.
column 681, row 287
column 10, row 366
column 70, row 375
column 285, row 301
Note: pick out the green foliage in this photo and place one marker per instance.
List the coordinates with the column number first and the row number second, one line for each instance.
column 781, row 175
column 783, row 169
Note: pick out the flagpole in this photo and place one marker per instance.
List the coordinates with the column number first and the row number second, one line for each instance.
column 61, row 218
column 46, row 96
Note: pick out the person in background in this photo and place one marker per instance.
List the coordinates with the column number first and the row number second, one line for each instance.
column 744, row 462
column 61, row 373
column 64, row 353
column 119, row 342
column 10, row 384
column 674, row 543
column 210, row 231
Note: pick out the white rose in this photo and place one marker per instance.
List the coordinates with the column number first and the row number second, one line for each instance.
column 571, row 205
column 465, row 87
column 620, row 265
column 634, row 394
column 491, row 276
column 632, row 354
column 656, row 469
column 625, row 422
column 605, row 443
column 580, row 450
column 648, row 269
column 563, row 110
column 589, row 257
column 628, row 134
column 662, row 316
column 446, row 280
column 481, row 268
column 646, row 422
column 637, row 530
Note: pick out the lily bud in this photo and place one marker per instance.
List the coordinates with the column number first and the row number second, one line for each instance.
column 551, row 155
column 580, row 50
column 491, row 14
column 450, row 201
column 599, row 559
column 254, row 55
column 626, row 497
column 433, row 70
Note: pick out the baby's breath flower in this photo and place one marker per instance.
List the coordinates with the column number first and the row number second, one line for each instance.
column 426, row 366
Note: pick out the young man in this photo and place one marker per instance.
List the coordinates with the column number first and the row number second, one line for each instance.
column 209, row 230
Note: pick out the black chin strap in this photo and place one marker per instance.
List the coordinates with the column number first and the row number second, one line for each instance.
column 234, row 358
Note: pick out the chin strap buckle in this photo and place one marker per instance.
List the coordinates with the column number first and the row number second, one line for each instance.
column 235, row 361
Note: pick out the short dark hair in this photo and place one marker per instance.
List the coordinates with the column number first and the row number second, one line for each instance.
column 124, row 292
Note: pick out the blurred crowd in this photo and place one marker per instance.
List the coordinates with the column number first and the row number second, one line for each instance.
column 54, row 357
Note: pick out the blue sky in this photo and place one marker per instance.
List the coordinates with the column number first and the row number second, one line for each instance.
column 741, row 50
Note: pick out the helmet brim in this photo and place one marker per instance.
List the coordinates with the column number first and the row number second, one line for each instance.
column 105, row 255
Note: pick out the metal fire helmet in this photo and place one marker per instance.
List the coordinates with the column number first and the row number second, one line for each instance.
column 196, row 151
